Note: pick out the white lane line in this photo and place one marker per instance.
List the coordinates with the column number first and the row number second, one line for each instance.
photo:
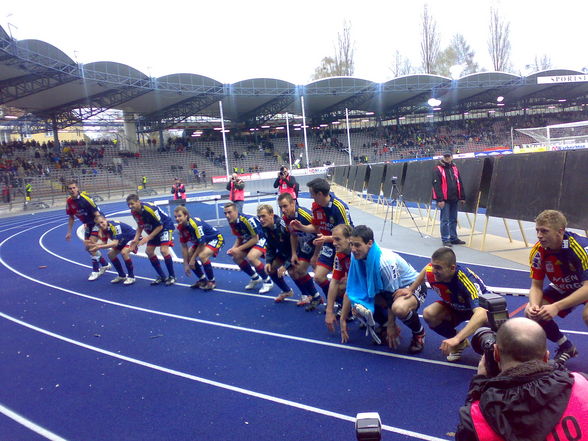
column 29, row 424
column 228, row 326
column 212, row 382
column 40, row 222
column 225, row 325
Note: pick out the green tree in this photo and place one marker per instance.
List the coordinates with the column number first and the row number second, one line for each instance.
column 458, row 53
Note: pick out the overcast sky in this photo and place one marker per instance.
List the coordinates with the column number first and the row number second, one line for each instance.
column 236, row 40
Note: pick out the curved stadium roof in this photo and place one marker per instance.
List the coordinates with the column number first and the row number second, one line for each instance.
column 41, row 79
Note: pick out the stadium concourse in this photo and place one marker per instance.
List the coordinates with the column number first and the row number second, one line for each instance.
column 91, row 360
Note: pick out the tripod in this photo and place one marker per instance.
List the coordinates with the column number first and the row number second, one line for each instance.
column 395, row 198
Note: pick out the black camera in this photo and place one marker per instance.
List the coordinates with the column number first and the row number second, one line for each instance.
column 368, row 426
column 484, row 338
column 394, row 179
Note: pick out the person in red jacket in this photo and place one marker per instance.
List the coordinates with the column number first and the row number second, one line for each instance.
column 178, row 190
column 286, row 183
column 236, row 188
column 448, row 192
column 530, row 399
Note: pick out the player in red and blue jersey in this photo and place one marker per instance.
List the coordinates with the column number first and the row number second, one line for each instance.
column 79, row 204
column 327, row 212
column 160, row 229
column 301, row 244
column 207, row 242
column 459, row 289
column 116, row 236
column 249, row 247
column 562, row 257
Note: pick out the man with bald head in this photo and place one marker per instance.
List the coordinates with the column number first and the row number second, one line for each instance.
column 530, row 399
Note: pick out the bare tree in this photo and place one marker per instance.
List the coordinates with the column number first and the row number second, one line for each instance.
column 542, row 62
column 342, row 63
column 345, row 50
column 401, row 65
column 499, row 41
column 429, row 42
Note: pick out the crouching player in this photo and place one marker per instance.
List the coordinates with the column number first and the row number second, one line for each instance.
column 116, row 237
column 341, row 242
column 301, row 244
column 459, row 289
column 206, row 240
column 277, row 249
column 160, row 229
column 375, row 275
column 248, row 248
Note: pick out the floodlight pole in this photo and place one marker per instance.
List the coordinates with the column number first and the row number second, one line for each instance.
column 304, row 127
column 220, row 105
column 288, row 136
column 348, row 134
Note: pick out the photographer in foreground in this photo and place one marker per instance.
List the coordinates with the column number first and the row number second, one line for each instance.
column 286, row 183
column 530, row 399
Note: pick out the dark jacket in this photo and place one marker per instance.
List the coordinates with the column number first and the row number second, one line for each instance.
column 454, row 188
column 522, row 404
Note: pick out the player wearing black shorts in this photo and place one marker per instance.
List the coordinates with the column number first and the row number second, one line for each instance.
column 160, row 229
column 301, row 244
column 79, row 204
column 249, row 247
column 459, row 289
column 327, row 212
column 116, row 237
column 277, row 249
column 207, row 242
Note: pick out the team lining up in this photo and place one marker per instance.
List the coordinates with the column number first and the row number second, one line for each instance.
column 368, row 283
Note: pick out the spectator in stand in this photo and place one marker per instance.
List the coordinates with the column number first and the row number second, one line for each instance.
column 144, row 182
column 286, row 183
column 178, row 190
column 236, row 188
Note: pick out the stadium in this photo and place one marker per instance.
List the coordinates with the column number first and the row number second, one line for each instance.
column 93, row 360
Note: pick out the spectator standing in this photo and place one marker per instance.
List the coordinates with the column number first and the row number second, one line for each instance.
column 178, row 190
column 144, row 182
column 286, row 183
column 448, row 192
column 236, row 188
column 28, row 191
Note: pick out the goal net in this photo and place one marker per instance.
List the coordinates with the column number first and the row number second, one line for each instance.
column 566, row 136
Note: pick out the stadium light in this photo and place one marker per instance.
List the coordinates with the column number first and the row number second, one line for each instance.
column 434, row 102
column 436, row 108
column 429, row 116
column 369, row 113
column 10, row 117
column 562, row 100
column 456, row 70
column 324, row 125
column 265, row 127
column 336, row 122
column 500, row 99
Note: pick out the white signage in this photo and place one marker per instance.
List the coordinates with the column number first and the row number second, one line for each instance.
column 562, row 79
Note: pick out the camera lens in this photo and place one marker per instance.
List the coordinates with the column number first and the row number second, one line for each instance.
column 483, row 340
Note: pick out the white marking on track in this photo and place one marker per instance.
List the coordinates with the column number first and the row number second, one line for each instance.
column 29, row 424
column 214, row 383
